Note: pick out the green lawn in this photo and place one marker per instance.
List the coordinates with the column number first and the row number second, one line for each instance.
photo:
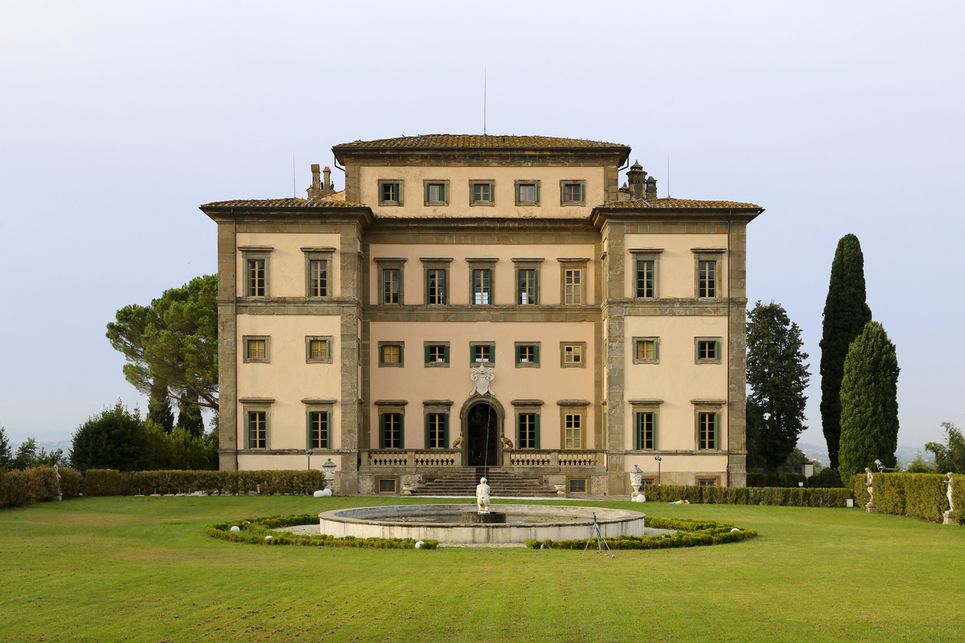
column 142, row 569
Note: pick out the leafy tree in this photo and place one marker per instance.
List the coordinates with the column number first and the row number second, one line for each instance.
column 777, row 375
column 845, row 315
column 28, row 455
column 869, row 402
column 951, row 456
column 159, row 407
column 180, row 449
column 6, row 455
column 173, row 343
column 189, row 418
column 920, row 465
column 113, row 439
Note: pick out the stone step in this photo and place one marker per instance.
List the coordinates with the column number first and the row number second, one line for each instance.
column 501, row 483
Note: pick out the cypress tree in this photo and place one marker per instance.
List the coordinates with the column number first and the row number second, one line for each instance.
column 845, row 315
column 6, row 455
column 159, row 407
column 869, row 403
column 189, row 418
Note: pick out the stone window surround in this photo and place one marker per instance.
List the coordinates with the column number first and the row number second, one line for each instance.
column 482, row 263
column 646, row 406
column 401, row 185
column 436, row 364
column 563, row 201
column 708, row 254
column 527, row 364
column 249, row 253
column 472, row 352
column 320, row 406
column 573, row 407
column 318, row 254
column 647, row 254
column 571, row 263
column 492, row 192
column 527, row 263
column 700, row 360
column 699, row 478
column 656, row 350
column 244, row 344
column 582, row 353
column 437, row 407
column 308, row 349
column 526, row 204
column 254, row 405
column 532, row 407
column 425, row 191
column 708, row 406
column 578, row 479
column 400, row 344
column 384, row 407
column 391, row 263
column 436, row 263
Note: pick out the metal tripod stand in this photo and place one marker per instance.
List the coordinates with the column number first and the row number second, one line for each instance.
column 597, row 534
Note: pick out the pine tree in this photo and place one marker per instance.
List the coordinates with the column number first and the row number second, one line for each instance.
column 869, row 403
column 777, row 375
column 845, row 315
column 6, row 455
column 159, row 407
column 189, row 418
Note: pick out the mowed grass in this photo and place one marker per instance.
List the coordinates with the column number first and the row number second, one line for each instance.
column 143, row 569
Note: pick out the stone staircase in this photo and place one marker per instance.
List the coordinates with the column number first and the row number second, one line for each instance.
column 502, row 484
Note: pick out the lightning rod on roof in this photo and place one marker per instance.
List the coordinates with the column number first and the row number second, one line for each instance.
column 294, row 191
column 668, row 176
column 484, row 101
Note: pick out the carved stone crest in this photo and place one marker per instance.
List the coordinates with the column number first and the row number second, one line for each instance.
column 482, row 377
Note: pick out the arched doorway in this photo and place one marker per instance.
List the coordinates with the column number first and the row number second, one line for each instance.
column 481, row 426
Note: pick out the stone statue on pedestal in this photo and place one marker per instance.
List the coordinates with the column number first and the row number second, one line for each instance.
column 948, row 520
column 482, row 496
column 869, row 485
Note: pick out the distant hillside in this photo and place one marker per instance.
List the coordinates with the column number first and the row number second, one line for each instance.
column 905, row 454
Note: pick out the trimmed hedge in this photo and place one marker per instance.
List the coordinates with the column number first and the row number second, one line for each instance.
column 261, row 531
column 108, row 482
column 689, row 533
column 782, row 496
column 918, row 495
column 22, row 487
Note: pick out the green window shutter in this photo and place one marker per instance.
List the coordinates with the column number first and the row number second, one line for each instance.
column 638, row 434
column 518, row 350
column 445, row 353
column 308, row 431
column 654, row 445
column 381, row 430
column 536, row 446
column 445, row 430
column 427, row 347
column 536, row 355
column 536, row 286
column 401, row 430
column 427, row 442
column 327, row 442
column 716, row 430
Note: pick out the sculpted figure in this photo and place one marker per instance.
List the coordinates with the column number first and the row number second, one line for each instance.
column 948, row 493
column 869, row 479
column 507, row 443
column 482, row 496
column 457, row 442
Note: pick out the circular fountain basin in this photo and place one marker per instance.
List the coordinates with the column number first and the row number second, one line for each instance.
column 463, row 525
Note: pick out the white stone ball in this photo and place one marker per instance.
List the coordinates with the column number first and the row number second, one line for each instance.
column 319, row 493
column 735, row 529
column 419, row 544
column 326, row 493
column 638, row 499
column 269, row 537
column 235, row 528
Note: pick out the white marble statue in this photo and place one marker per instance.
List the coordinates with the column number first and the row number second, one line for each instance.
column 869, row 479
column 482, row 496
column 951, row 503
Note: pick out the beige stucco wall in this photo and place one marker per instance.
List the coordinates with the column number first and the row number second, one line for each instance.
column 286, row 262
column 413, row 197
column 676, row 265
column 504, row 276
column 680, row 469
column 287, row 377
column 550, row 382
column 677, row 379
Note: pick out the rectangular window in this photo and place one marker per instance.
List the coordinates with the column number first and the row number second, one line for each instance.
column 435, row 286
column 436, row 192
column 707, row 351
column 437, row 354
column 318, row 350
column 256, row 349
column 576, row 485
column 571, row 355
column 257, row 429
column 707, row 278
column 391, row 353
column 707, row 429
column 646, row 424
column 706, row 482
column 572, row 286
column 318, row 278
column 479, row 353
column 527, row 192
column 256, row 277
column 572, row 430
column 481, row 193
column 527, row 355
column 645, row 350
column 390, row 192
column 387, row 485
column 527, row 286
column 645, row 278
column 318, row 436
column 391, row 286
column 437, row 430
column 572, row 193
column 391, row 430
column 482, row 286
column 527, row 425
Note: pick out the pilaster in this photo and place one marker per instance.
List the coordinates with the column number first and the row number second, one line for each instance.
column 613, row 317
column 349, row 258
column 737, row 355
column 227, row 348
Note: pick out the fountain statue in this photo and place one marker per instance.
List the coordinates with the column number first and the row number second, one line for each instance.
column 482, row 496
column 948, row 520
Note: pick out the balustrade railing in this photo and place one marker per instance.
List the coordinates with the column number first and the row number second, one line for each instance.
column 448, row 458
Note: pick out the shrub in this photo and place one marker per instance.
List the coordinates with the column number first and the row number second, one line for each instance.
column 918, row 495
column 114, row 439
column 255, row 530
column 39, row 484
column 958, row 496
column 784, row 496
column 828, row 478
column 782, row 479
column 113, row 483
column 689, row 533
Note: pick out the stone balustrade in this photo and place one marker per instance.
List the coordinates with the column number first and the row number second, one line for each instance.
column 551, row 459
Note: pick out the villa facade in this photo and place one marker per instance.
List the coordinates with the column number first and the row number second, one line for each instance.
column 494, row 302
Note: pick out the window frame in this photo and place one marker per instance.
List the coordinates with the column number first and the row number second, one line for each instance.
column 488, row 264
column 249, row 410
column 426, row 183
column 656, row 350
column 389, row 202
column 246, row 354
column 577, row 411
column 324, row 255
column 533, row 411
column 642, row 255
column 432, row 265
column 716, row 342
column 702, row 255
column 387, row 264
column 582, row 352
column 383, row 413
column 472, row 353
column 526, row 204
column 328, row 339
column 517, row 359
column 447, row 354
column 564, row 202
column 255, row 253
column 527, row 265
column 321, row 409
column 699, row 412
column 436, row 410
column 579, row 266
column 472, row 192
column 381, row 348
column 639, row 438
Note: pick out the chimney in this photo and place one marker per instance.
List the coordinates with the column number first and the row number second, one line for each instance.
column 315, row 191
column 636, row 177
column 327, row 184
column 651, row 188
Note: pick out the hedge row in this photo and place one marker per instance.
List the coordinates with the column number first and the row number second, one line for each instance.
column 261, row 531
column 37, row 485
column 919, row 495
column 108, row 482
column 688, row 533
column 783, row 496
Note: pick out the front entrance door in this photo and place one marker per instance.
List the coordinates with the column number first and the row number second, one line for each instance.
column 482, row 436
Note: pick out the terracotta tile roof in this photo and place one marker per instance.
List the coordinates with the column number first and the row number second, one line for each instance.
column 283, row 203
column 477, row 142
column 668, row 203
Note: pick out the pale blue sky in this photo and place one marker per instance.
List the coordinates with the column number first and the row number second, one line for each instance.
column 118, row 118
